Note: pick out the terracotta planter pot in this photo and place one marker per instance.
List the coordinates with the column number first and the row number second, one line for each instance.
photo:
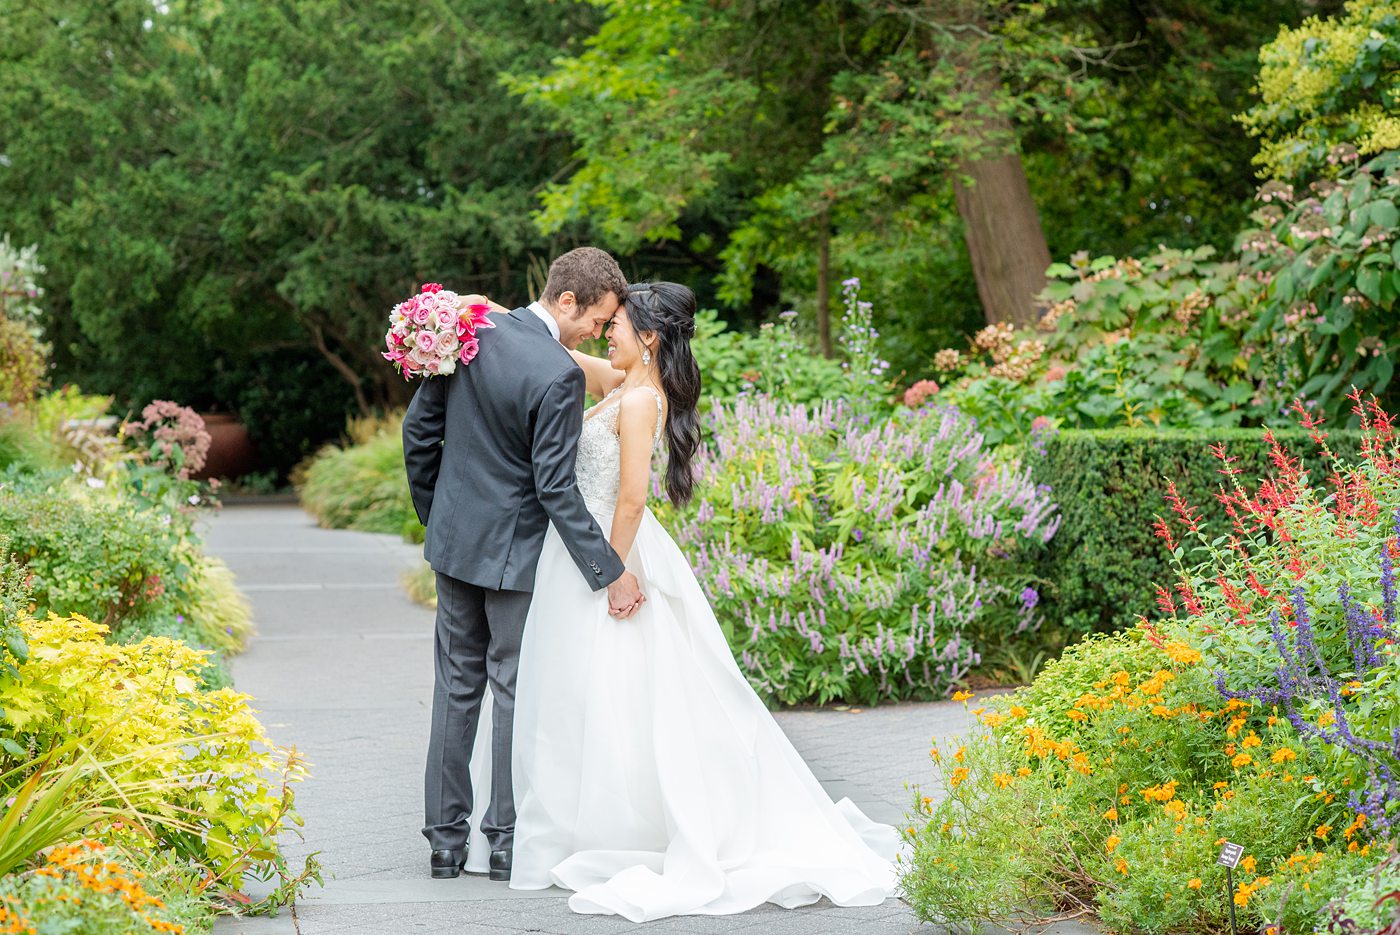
column 231, row 451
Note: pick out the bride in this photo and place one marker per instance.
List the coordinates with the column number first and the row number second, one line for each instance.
column 649, row 778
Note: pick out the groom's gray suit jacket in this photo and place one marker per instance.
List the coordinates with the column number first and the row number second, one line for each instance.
column 490, row 454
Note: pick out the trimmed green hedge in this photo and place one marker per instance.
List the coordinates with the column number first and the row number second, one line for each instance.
column 1099, row 570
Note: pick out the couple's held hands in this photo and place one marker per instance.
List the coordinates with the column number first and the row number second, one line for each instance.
column 625, row 596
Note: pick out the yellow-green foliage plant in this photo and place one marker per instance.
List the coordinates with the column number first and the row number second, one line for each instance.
column 232, row 784
column 1325, row 84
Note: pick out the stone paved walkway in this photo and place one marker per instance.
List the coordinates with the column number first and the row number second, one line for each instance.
column 342, row 668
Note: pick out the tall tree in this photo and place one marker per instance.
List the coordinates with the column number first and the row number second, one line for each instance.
column 842, row 124
column 245, row 178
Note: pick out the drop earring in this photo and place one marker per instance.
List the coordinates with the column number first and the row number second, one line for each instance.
column 646, row 356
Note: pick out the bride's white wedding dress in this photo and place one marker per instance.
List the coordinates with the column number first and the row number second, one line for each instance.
column 649, row 778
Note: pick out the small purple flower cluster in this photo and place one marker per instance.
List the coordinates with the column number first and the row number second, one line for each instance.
column 860, row 559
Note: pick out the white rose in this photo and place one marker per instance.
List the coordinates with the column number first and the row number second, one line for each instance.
column 448, row 365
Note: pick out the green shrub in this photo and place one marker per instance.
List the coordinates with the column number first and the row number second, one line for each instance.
column 772, row 360
column 91, row 554
column 1110, row 485
column 362, row 486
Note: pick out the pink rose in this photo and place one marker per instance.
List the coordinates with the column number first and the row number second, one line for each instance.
column 469, row 348
column 420, row 314
column 446, row 318
column 426, row 341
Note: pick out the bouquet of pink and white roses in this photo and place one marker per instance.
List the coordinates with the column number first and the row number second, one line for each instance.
column 433, row 332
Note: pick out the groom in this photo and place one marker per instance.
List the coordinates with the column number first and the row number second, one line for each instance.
column 490, row 453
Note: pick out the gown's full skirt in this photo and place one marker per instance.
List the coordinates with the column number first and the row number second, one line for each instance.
column 649, row 777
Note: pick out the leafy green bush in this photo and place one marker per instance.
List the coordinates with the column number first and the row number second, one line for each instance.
column 90, row 554
column 772, row 360
column 1326, row 83
column 1110, row 485
column 362, row 486
column 1330, row 321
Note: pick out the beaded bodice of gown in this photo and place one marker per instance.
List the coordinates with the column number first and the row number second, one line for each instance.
column 599, row 463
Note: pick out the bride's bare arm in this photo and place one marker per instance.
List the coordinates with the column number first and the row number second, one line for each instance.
column 601, row 378
column 636, row 427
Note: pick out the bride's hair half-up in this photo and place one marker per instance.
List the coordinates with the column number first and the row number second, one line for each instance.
column 668, row 309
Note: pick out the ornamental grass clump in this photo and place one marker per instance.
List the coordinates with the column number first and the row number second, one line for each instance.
column 859, row 558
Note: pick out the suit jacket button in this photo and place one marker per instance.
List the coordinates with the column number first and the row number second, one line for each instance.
column 596, row 569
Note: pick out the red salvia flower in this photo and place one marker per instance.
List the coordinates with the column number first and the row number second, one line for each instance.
column 1193, row 603
column 1183, row 510
column 1163, row 532
column 1164, row 601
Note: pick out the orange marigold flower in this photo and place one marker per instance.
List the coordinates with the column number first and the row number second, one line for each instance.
column 1121, row 866
column 1182, row 653
column 1327, row 718
column 1283, row 755
column 1018, row 711
column 957, row 777
column 1076, row 715
column 1322, row 830
column 1111, row 814
column 1241, row 759
column 1252, row 740
column 1024, row 771
column 961, row 695
column 1248, row 864
column 1112, row 842
column 1195, row 883
column 1002, row 780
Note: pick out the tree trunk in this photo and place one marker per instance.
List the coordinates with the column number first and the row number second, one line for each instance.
column 1000, row 222
column 1004, row 238
column 824, row 284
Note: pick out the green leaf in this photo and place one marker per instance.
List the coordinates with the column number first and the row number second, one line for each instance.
column 1385, row 214
column 1368, row 283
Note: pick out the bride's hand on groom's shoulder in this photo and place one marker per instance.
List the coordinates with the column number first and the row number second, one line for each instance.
column 463, row 301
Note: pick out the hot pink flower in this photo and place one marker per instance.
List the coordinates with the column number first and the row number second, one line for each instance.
column 432, row 287
column 469, row 348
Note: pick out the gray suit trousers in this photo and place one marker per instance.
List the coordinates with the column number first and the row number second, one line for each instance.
column 478, row 640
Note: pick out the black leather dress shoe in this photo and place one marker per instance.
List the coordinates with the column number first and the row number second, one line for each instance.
column 500, row 866
column 447, row 865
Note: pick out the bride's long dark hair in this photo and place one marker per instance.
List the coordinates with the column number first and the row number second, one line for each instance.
column 668, row 309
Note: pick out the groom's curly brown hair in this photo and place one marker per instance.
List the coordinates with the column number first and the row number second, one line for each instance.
column 587, row 272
